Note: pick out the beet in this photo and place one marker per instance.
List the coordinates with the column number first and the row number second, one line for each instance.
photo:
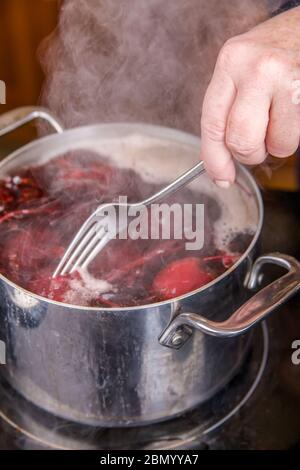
column 180, row 277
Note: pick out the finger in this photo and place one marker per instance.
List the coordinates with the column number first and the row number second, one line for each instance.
column 283, row 132
column 216, row 106
column 247, row 125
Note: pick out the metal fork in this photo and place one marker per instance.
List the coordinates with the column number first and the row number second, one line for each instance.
column 93, row 235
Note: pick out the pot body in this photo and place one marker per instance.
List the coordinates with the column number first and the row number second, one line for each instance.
column 106, row 367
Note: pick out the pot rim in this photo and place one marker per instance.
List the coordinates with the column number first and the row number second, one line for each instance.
column 171, row 132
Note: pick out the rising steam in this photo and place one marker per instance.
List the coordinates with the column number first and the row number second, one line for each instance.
column 138, row 60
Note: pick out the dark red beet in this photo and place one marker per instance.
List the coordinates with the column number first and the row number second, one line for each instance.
column 54, row 289
column 179, row 277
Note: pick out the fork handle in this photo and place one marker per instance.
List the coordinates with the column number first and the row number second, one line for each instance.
column 182, row 180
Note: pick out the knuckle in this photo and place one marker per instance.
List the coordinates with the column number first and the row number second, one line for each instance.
column 227, row 55
column 242, row 50
column 241, row 146
column 234, row 51
column 212, row 128
column 270, row 65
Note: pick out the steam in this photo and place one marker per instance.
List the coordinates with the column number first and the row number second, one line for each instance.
column 138, row 60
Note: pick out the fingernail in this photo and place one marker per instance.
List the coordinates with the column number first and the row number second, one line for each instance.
column 223, row 184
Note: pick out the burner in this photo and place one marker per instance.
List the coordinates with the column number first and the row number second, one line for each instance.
column 27, row 427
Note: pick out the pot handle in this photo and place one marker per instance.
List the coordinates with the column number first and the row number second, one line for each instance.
column 253, row 311
column 15, row 118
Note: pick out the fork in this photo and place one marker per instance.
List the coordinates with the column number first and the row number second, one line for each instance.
column 94, row 235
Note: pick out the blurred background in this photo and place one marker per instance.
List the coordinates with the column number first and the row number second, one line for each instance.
column 23, row 25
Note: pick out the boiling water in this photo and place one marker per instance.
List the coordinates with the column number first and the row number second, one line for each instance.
column 46, row 211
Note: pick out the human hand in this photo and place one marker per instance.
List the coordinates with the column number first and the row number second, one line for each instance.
column 252, row 105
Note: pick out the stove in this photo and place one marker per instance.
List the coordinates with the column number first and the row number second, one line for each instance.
column 258, row 409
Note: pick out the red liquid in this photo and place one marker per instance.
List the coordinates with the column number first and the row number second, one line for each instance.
column 43, row 207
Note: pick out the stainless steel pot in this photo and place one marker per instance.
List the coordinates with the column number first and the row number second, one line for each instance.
column 112, row 367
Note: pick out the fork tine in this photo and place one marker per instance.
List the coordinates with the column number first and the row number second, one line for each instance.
column 96, row 250
column 98, row 235
column 90, row 234
column 79, row 237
